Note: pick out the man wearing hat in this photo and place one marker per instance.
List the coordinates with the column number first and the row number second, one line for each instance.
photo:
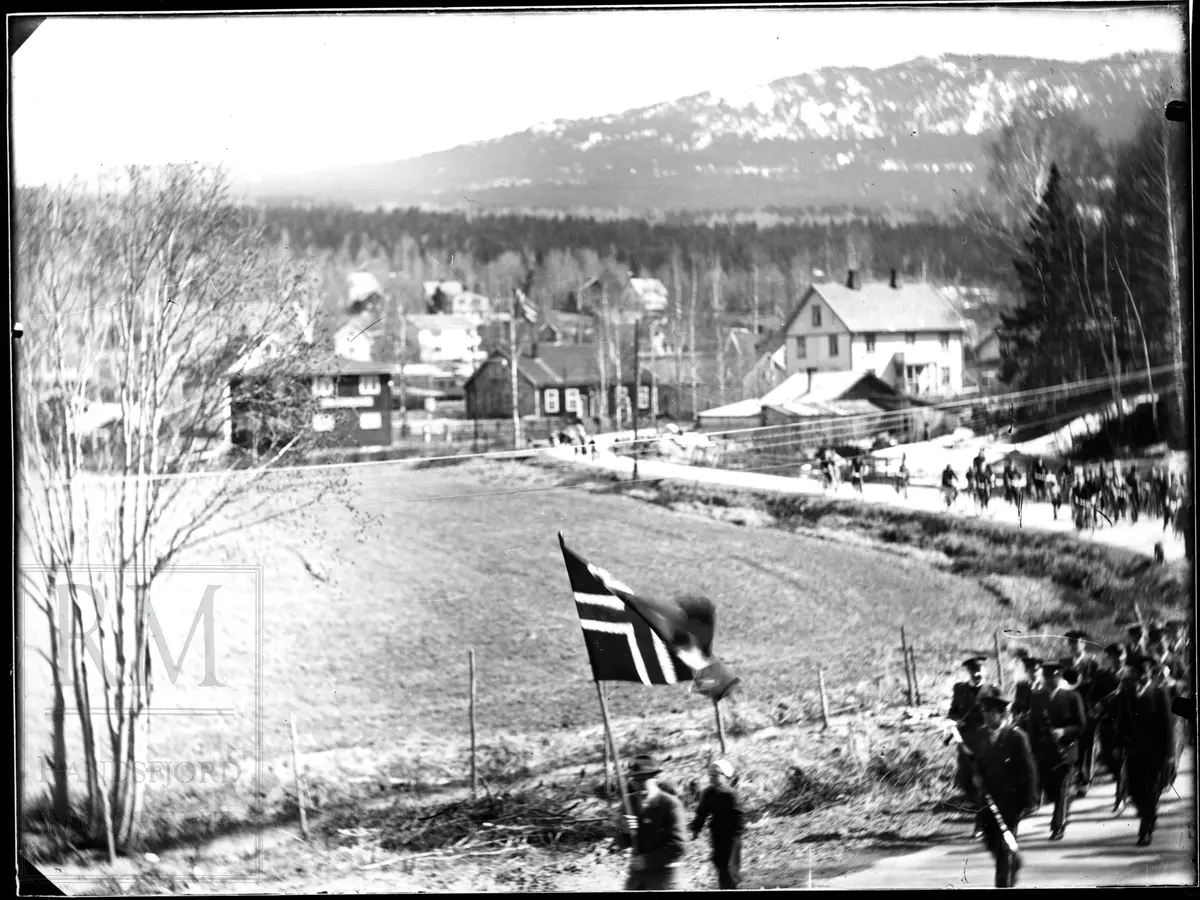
column 1028, row 682
column 1147, row 735
column 1005, row 773
column 658, row 835
column 720, row 806
column 1056, row 722
column 1106, row 684
column 1080, row 667
column 966, row 714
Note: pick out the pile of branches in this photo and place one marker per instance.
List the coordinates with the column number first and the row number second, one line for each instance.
column 511, row 820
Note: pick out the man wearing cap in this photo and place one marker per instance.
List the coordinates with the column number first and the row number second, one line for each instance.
column 1147, row 734
column 720, row 806
column 1056, row 722
column 1024, row 688
column 1080, row 666
column 1004, row 772
column 1106, row 684
column 969, row 718
column 658, row 831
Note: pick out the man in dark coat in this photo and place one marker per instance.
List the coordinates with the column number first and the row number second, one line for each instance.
column 1105, row 686
column 1024, row 689
column 721, row 808
column 969, row 718
column 657, row 832
column 1056, row 722
column 1079, row 666
column 1004, row 774
column 1147, row 734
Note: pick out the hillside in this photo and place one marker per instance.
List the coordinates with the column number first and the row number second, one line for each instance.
column 903, row 137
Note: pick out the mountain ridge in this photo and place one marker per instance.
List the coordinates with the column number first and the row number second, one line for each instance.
column 907, row 136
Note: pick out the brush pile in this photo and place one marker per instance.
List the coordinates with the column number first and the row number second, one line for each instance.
column 531, row 818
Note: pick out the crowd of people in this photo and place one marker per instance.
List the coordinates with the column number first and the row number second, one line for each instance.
column 1124, row 711
column 1093, row 492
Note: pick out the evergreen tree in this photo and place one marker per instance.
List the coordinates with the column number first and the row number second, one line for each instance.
column 1037, row 346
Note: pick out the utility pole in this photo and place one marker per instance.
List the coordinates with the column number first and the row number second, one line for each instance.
column 637, row 390
column 514, row 352
column 403, row 357
column 692, row 334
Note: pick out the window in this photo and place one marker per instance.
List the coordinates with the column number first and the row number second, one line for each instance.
column 946, row 377
column 944, row 338
column 910, row 337
column 370, row 421
column 801, row 348
column 643, row 396
column 322, row 386
column 816, row 316
column 322, row 421
column 368, row 384
column 833, row 345
column 572, row 400
column 550, row 402
column 870, row 343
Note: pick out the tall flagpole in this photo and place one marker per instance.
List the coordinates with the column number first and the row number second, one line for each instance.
column 616, row 757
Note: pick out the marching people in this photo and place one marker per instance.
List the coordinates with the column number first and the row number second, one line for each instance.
column 1039, row 479
column 1053, row 492
column 722, row 809
column 1005, row 778
column 1106, row 684
column 949, row 484
column 1081, row 665
column 1147, row 735
column 1056, row 721
column 655, row 831
column 967, row 715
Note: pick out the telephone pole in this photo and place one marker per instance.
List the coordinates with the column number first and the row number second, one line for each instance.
column 637, row 390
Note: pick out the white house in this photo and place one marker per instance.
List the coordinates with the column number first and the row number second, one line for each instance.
column 648, row 293
column 906, row 334
column 442, row 339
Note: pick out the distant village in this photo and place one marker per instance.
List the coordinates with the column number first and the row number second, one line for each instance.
column 849, row 347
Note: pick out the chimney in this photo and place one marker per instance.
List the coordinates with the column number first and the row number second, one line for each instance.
column 893, row 281
column 533, row 347
column 852, row 279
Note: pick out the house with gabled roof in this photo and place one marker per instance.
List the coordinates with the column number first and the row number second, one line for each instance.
column 907, row 334
column 809, row 397
column 560, row 380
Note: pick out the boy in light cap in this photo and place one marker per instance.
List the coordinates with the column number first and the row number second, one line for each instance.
column 720, row 806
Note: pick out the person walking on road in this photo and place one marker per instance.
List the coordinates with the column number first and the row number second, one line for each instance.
column 1006, row 775
column 965, row 711
column 1080, row 665
column 1056, row 721
column 722, row 809
column 656, row 833
column 1147, row 733
column 1106, row 684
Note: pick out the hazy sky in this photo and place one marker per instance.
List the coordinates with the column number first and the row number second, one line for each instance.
column 300, row 92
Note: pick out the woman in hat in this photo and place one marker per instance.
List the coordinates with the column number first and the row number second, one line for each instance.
column 721, row 808
column 1005, row 776
column 656, row 832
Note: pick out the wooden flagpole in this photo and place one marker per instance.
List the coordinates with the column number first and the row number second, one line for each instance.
column 616, row 756
column 720, row 725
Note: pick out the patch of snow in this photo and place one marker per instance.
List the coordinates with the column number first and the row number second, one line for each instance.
column 703, row 142
column 812, row 114
column 593, row 139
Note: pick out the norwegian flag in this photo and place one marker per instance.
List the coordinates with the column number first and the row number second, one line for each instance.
column 633, row 638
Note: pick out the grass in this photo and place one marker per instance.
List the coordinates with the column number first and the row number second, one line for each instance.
column 370, row 657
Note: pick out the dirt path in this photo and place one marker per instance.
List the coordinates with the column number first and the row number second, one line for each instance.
column 1098, row 850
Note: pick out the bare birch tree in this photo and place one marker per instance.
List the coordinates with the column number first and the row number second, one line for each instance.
column 145, row 297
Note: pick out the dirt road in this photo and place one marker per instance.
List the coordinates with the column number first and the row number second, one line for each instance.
column 1140, row 537
column 1098, row 850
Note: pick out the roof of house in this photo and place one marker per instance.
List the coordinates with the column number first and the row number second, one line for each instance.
column 450, row 288
column 564, row 364
column 440, row 322
column 795, row 396
column 812, row 409
column 742, row 409
column 362, row 285
column 643, row 286
column 878, row 307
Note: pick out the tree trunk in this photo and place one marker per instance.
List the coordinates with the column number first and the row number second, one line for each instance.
column 716, row 305
column 677, row 342
column 1173, row 283
column 60, row 792
column 692, row 336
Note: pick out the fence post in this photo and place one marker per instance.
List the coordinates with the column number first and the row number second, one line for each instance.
column 824, row 699
column 474, row 771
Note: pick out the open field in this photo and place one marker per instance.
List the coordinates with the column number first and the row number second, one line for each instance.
column 366, row 623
